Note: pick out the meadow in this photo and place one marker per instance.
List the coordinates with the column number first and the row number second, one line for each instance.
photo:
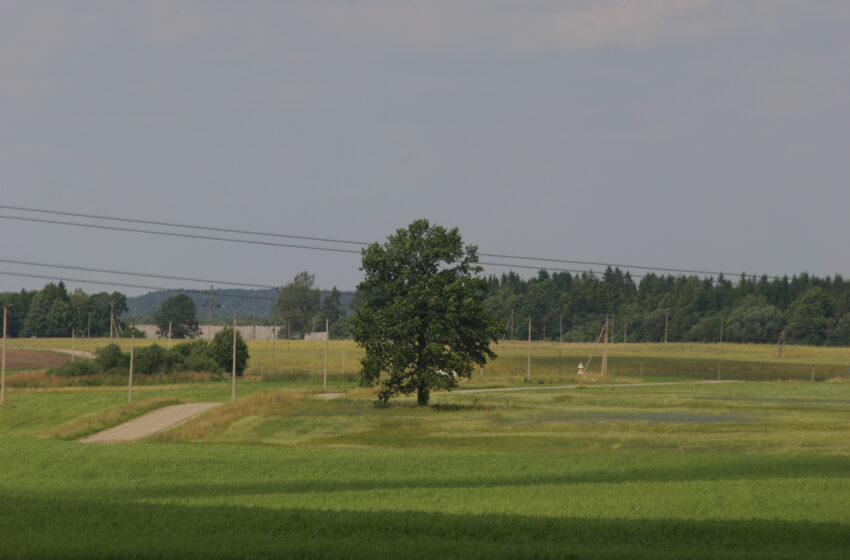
column 734, row 470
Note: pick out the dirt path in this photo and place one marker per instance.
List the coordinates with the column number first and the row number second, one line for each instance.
column 544, row 387
column 150, row 423
column 77, row 353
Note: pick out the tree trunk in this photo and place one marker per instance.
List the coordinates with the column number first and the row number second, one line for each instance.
column 423, row 394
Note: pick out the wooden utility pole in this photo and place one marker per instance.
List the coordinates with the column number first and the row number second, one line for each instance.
column 169, row 334
column 132, row 356
column 111, row 321
column 3, row 359
column 605, row 348
column 722, row 321
column 274, row 360
column 625, row 333
column 343, row 358
column 233, row 370
column 666, row 324
column 211, row 303
column 528, row 366
column 560, row 341
column 613, row 330
column 325, row 358
column 781, row 342
column 287, row 335
column 89, row 328
column 512, row 324
column 73, row 331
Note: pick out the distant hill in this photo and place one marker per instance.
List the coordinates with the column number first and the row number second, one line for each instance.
column 228, row 302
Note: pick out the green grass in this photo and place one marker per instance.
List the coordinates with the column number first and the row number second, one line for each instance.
column 744, row 470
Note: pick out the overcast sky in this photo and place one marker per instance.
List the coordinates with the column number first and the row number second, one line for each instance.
column 692, row 134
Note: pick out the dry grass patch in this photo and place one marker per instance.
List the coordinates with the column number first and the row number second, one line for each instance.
column 220, row 418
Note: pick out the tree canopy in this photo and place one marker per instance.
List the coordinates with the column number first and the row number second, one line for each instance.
column 297, row 302
column 421, row 317
column 181, row 313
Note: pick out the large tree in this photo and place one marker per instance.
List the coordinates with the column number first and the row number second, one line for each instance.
column 297, row 302
column 422, row 319
column 181, row 313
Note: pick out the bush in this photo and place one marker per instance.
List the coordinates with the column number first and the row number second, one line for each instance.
column 192, row 356
column 151, row 359
column 77, row 368
column 110, row 358
column 222, row 351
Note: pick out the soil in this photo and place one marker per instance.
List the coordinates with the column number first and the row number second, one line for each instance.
column 32, row 359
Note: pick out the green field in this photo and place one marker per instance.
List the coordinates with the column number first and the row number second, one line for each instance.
column 737, row 470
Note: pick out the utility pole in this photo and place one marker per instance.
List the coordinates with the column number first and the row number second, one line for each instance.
column 325, row 360
column 169, row 334
column 605, row 348
column 722, row 321
column 781, row 342
column 211, row 303
column 233, row 370
column 666, row 324
column 132, row 356
column 3, row 359
column 613, row 330
column 111, row 321
column 287, row 335
column 274, row 360
column 625, row 333
column 343, row 358
column 512, row 324
column 73, row 330
column 89, row 328
column 528, row 366
column 560, row 341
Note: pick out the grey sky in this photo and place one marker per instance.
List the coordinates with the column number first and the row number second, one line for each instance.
column 681, row 133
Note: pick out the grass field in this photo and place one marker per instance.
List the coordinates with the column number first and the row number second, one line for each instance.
column 740, row 470
column 551, row 363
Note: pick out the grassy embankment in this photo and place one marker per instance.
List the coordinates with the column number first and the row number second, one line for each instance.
column 745, row 470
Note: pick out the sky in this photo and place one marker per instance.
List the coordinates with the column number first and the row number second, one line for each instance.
column 694, row 134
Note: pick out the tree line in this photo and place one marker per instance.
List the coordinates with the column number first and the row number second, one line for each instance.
column 54, row 312
column 804, row 309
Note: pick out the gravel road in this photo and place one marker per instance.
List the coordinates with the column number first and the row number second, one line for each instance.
column 151, row 423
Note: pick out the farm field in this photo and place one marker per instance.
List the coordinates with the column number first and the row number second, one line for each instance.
column 551, row 363
column 739, row 470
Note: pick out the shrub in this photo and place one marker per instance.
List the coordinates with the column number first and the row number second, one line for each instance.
column 150, row 359
column 111, row 358
column 222, row 351
column 77, row 368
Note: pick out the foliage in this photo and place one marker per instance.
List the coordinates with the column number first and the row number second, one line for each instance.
column 753, row 310
column 178, row 312
column 297, row 303
column 422, row 321
column 110, row 358
column 76, row 368
column 330, row 308
column 221, row 351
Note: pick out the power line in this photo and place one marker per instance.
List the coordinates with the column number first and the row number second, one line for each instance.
column 252, row 242
column 327, row 240
column 141, row 274
column 188, row 226
column 127, row 285
column 186, row 235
